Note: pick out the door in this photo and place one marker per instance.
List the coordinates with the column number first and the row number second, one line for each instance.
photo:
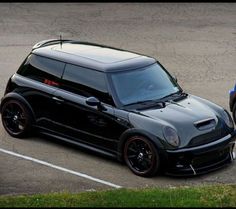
column 80, row 121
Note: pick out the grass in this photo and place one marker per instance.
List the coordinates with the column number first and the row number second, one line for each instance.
column 198, row 196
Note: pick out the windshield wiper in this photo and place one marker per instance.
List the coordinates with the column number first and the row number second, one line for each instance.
column 141, row 102
column 180, row 92
column 154, row 102
column 148, row 104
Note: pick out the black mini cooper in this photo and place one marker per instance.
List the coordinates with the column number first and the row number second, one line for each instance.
column 118, row 103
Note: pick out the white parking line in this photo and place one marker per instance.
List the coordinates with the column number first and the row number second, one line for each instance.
column 60, row 168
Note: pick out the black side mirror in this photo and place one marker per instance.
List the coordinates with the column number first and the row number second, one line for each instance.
column 93, row 101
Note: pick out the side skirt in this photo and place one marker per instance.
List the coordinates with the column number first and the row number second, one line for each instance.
column 53, row 134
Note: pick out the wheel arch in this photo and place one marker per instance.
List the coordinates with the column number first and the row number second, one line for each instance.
column 13, row 95
column 134, row 132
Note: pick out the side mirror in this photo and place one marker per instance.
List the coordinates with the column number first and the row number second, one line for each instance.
column 93, row 101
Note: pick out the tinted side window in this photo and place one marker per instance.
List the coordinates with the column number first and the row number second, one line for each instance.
column 86, row 82
column 41, row 68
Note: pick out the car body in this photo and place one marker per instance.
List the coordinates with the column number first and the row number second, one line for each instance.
column 232, row 102
column 118, row 103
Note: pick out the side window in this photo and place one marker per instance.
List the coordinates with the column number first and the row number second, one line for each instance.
column 86, row 82
column 42, row 69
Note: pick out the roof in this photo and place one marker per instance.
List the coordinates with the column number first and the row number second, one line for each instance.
column 94, row 56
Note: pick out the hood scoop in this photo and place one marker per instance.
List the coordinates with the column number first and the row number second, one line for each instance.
column 205, row 124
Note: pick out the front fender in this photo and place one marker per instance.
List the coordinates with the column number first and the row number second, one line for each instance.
column 136, row 131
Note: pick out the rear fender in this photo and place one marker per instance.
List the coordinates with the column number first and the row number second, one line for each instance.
column 13, row 95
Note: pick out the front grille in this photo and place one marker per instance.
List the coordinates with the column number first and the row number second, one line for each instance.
column 208, row 137
column 210, row 158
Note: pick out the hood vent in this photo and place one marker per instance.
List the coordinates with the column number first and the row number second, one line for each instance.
column 205, row 124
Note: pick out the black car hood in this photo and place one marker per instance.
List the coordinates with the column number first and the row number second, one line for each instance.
column 182, row 116
column 188, row 110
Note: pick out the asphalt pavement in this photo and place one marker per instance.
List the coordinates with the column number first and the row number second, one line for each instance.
column 195, row 41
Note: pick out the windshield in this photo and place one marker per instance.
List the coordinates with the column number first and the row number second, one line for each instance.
column 148, row 83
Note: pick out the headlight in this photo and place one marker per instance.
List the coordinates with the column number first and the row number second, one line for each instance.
column 227, row 119
column 171, row 136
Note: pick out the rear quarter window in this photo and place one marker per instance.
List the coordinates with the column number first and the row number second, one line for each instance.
column 41, row 68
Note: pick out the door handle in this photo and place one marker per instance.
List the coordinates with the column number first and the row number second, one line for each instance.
column 57, row 99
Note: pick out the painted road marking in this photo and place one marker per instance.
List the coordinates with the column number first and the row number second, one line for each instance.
column 60, row 168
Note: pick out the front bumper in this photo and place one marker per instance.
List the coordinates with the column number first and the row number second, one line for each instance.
column 201, row 159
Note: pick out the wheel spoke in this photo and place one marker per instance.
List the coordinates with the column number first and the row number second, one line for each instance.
column 21, row 122
column 132, row 156
column 132, row 150
column 148, row 161
column 8, row 112
column 144, row 164
column 14, row 127
column 136, row 164
column 21, row 117
column 148, row 155
column 20, row 126
column 133, row 147
column 6, row 117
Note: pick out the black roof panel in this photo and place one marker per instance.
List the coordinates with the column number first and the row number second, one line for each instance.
column 99, row 57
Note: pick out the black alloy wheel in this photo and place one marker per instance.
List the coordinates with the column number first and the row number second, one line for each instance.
column 141, row 156
column 16, row 118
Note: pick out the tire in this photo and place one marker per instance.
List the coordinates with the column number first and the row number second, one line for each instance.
column 16, row 118
column 234, row 112
column 141, row 156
